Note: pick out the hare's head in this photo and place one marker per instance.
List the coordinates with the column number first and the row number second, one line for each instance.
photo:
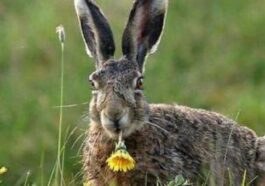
column 118, row 103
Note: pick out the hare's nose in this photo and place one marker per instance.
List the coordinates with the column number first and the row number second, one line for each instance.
column 117, row 124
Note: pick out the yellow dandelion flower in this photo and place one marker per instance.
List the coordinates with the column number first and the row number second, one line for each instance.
column 121, row 160
column 3, row 170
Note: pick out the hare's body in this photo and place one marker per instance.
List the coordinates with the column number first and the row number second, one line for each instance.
column 176, row 140
column 165, row 140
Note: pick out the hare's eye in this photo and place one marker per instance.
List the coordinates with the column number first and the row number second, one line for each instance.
column 140, row 83
column 93, row 84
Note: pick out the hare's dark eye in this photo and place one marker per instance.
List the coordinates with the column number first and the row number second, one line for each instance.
column 140, row 83
column 93, row 84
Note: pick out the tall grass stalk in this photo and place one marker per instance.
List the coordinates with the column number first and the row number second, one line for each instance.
column 42, row 167
column 230, row 177
column 244, row 178
column 229, row 138
column 59, row 162
column 27, row 178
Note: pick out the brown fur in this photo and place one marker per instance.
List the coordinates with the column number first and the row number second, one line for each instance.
column 186, row 141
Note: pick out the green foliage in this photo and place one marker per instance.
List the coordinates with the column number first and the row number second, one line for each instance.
column 211, row 56
column 179, row 181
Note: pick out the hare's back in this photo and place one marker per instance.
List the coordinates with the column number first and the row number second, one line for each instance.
column 206, row 139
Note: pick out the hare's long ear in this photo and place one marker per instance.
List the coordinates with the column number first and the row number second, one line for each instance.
column 96, row 31
column 142, row 33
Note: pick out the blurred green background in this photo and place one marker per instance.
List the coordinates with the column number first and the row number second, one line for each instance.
column 212, row 56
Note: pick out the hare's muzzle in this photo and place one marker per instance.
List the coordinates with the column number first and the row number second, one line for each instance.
column 115, row 120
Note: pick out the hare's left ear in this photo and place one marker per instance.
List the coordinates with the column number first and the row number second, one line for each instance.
column 143, row 31
column 96, row 31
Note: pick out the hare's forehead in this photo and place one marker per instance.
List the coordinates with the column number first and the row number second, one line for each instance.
column 119, row 71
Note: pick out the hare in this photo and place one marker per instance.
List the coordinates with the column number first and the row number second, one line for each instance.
column 165, row 140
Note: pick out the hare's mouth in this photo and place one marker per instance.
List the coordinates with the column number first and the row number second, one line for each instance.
column 114, row 132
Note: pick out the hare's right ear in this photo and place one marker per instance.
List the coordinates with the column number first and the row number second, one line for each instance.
column 96, row 31
column 143, row 31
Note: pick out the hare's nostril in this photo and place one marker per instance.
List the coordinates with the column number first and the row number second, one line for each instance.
column 116, row 124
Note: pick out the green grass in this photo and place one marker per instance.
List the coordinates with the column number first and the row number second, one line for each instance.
column 211, row 56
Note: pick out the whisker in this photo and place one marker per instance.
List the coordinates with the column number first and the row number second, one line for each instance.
column 81, row 147
column 79, row 174
column 157, row 126
column 70, row 105
column 162, row 120
column 77, row 139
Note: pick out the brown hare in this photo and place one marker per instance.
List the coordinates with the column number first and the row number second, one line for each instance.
column 165, row 140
